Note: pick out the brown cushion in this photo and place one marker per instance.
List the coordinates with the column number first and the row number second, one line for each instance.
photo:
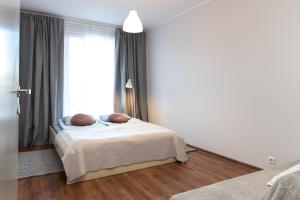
column 118, row 118
column 82, row 120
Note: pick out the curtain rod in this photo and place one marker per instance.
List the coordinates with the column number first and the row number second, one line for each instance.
column 74, row 20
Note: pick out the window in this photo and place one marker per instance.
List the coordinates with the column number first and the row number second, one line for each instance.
column 89, row 70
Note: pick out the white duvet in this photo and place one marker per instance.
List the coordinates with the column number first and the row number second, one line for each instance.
column 93, row 149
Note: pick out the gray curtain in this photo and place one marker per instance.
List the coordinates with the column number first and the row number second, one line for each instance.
column 131, row 64
column 41, row 69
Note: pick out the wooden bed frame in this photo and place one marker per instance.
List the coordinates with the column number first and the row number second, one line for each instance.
column 112, row 171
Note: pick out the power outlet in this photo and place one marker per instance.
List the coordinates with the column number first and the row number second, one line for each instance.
column 272, row 160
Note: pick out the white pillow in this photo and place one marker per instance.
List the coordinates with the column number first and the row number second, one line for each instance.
column 284, row 173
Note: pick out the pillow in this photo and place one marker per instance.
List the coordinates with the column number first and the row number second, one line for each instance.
column 82, row 120
column 285, row 188
column 118, row 118
column 104, row 118
column 284, row 173
column 67, row 120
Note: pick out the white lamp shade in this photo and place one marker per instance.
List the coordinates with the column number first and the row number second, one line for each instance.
column 132, row 23
column 129, row 84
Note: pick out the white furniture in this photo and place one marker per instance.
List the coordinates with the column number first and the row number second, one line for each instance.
column 98, row 152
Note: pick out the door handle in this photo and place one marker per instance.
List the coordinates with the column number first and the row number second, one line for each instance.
column 23, row 91
column 20, row 91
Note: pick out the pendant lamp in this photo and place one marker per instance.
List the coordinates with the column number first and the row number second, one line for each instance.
column 132, row 23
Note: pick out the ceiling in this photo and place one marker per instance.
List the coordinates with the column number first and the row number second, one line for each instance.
column 151, row 12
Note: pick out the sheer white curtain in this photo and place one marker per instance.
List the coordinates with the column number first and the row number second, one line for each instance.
column 89, row 69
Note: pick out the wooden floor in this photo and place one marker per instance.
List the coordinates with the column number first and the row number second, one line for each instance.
column 157, row 183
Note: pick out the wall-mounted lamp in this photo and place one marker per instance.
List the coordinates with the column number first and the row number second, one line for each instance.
column 129, row 85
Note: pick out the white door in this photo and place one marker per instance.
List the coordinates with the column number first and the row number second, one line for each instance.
column 9, row 81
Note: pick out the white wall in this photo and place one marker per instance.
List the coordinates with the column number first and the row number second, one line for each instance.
column 226, row 76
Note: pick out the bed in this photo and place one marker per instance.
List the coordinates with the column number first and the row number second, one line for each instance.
column 103, row 150
column 248, row 187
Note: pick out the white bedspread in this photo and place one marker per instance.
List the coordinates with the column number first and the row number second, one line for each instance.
column 92, row 149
